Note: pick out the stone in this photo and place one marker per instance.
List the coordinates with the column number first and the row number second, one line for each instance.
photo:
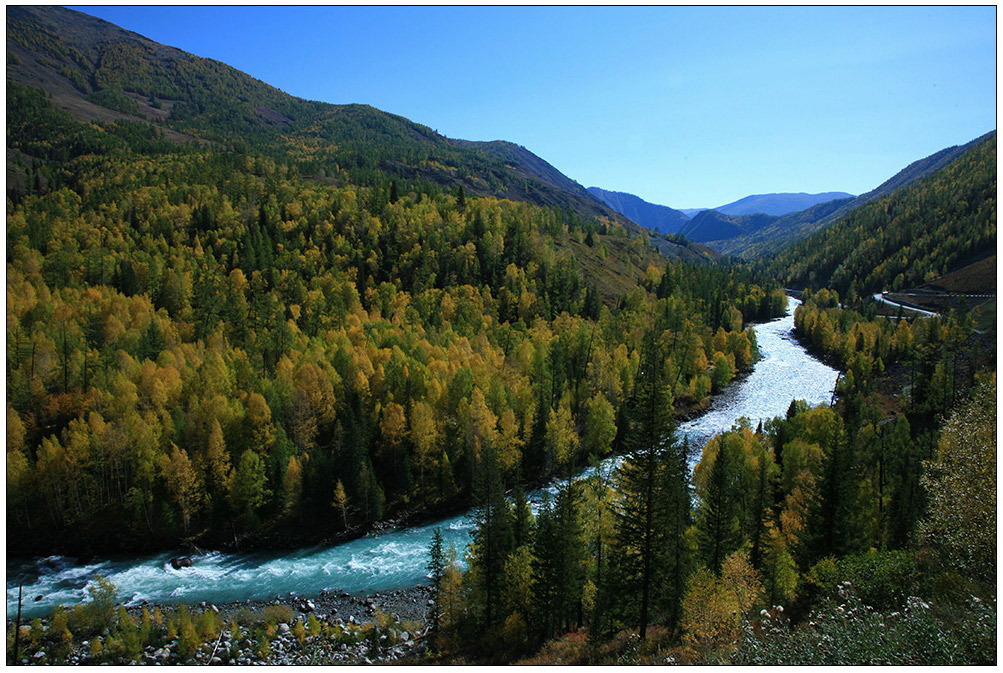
column 405, row 636
column 310, row 606
column 39, row 654
column 431, row 602
column 283, row 628
column 216, row 661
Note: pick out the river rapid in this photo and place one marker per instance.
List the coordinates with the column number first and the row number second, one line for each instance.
column 394, row 560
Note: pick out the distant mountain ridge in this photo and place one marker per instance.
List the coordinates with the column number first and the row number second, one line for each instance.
column 779, row 204
column 735, row 220
column 651, row 215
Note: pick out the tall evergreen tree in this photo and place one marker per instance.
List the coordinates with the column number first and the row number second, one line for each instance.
column 642, row 482
column 718, row 526
column 436, row 570
column 493, row 537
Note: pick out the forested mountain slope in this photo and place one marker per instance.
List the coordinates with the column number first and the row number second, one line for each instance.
column 97, row 71
column 773, row 236
column 653, row 216
column 709, row 226
column 909, row 238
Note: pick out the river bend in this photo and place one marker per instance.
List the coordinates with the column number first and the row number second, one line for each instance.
column 785, row 371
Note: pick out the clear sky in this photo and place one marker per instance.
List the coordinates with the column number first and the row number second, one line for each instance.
column 683, row 106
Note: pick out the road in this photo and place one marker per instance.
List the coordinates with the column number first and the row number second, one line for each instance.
column 879, row 296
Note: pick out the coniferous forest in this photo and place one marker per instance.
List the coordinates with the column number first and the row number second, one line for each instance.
column 238, row 320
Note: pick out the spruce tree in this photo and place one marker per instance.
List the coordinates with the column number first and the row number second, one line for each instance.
column 644, row 485
column 493, row 537
column 436, row 570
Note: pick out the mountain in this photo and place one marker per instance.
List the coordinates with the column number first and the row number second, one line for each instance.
column 711, row 225
column 653, row 216
column 778, row 204
column 795, row 226
column 99, row 72
column 690, row 212
column 937, row 224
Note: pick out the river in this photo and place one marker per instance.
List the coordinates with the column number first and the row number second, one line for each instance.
column 394, row 560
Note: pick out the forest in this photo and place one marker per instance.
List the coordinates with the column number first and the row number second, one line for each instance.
column 805, row 540
column 205, row 345
column 915, row 235
column 241, row 320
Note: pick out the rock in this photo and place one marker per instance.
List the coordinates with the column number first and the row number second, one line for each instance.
column 310, row 606
column 405, row 636
column 25, row 631
column 214, row 609
column 39, row 597
column 180, row 562
column 431, row 602
column 216, row 661
column 39, row 654
column 283, row 628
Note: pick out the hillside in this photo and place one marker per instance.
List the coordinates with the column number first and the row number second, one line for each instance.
column 710, row 226
column 97, row 71
column 658, row 218
column 926, row 230
column 795, row 226
column 779, row 204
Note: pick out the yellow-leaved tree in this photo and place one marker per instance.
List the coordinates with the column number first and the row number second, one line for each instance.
column 961, row 484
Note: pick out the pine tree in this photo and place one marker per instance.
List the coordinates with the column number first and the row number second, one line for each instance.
column 436, row 570
column 493, row 537
column 718, row 528
column 642, row 481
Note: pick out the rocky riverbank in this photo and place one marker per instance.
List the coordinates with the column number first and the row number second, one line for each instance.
column 332, row 628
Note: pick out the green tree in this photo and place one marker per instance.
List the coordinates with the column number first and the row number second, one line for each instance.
column 248, row 490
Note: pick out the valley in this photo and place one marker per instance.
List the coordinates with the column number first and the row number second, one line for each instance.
column 401, row 397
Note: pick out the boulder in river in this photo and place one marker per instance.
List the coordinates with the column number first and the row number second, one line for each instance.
column 179, row 562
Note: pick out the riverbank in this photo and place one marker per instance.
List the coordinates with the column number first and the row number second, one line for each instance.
column 334, row 627
column 397, row 557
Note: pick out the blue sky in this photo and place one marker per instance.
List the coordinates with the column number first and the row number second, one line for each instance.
column 683, row 106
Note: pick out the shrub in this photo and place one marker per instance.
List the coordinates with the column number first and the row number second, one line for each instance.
column 277, row 614
column 99, row 614
column 209, row 625
column 314, row 626
column 299, row 631
column 845, row 631
column 880, row 579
